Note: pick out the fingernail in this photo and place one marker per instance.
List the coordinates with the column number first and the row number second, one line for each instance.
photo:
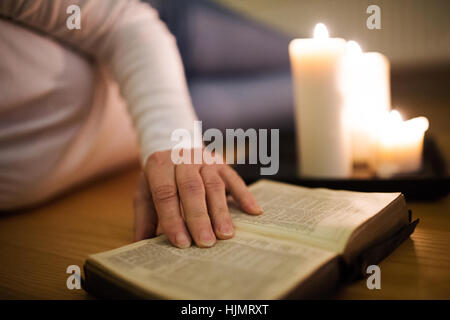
column 226, row 229
column 259, row 210
column 207, row 238
column 182, row 240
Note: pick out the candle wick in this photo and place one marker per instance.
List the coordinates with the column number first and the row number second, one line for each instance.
column 320, row 31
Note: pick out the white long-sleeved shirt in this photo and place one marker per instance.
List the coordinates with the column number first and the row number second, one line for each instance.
column 128, row 37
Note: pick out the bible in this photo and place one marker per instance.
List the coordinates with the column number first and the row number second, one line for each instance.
column 306, row 244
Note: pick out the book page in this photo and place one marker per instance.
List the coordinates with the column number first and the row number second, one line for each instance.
column 320, row 217
column 245, row 267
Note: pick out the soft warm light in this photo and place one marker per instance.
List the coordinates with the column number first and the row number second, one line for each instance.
column 353, row 49
column 396, row 130
column 353, row 76
column 395, row 117
column 419, row 124
column 400, row 144
column 320, row 31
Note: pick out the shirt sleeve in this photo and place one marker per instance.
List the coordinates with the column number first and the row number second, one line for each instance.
column 141, row 54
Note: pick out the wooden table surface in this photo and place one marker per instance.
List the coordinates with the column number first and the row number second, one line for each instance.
column 37, row 246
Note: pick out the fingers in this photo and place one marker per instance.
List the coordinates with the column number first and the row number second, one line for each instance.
column 239, row 191
column 192, row 194
column 161, row 177
column 145, row 218
column 188, row 197
column 217, row 202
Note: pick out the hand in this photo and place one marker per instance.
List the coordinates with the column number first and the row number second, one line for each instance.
column 188, row 201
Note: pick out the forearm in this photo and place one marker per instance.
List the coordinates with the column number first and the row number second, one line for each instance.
column 140, row 52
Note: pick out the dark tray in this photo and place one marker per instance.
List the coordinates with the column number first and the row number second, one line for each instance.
column 430, row 183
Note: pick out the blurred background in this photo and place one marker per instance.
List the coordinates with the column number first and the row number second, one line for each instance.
column 236, row 55
column 413, row 31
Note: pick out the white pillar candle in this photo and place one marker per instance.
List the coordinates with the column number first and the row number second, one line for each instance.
column 368, row 98
column 400, row 145
column 323, row 136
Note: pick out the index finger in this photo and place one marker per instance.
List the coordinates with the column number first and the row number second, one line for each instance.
column 239, row 191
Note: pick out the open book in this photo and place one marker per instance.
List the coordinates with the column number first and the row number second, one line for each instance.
column 306, row 243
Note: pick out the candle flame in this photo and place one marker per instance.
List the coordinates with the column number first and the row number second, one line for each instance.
column 398, row 131
column 320, row 31
column 419, row 124
column 395, row 116
column 353, row 48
